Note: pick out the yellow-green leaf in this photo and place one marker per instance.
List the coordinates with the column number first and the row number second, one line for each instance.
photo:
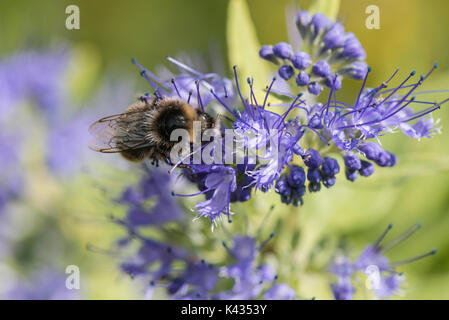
column 83, row 71
column 243, row 48
column 327, row 7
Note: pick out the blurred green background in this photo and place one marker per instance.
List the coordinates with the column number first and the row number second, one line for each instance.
column 412, row 35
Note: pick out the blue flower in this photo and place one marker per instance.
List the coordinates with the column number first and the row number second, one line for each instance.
column 194, row 278
column 217, row 182
column 188, row 84
column 66, row 144
column 250, row 279
column 43, row 285
column 195, row 282
column 384, row 281
column 223, row 182
column 282, row 50
column 36, row 76
column 343, row 290
column 155, row 186
column 271, row 141
column 327, row 49
column 280, row 291
column 356, row 129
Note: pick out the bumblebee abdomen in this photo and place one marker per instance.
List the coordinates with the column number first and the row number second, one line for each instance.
column 137, row 155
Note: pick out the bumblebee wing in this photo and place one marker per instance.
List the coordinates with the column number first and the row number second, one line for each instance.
column 118, row 133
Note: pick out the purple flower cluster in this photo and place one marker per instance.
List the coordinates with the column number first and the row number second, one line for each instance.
column 188, row 84
column 38, row 78
column 267, row 142
column 43, row 285
column 159, row 258
column 382, row 279
column 296, row 154
column 154, row 186
column 250, row 279
column 355, row 130
column 35, row 76
column 272, row 143
column 26, row 77
column 217, row 182
column 198, row 279
column 327, row 50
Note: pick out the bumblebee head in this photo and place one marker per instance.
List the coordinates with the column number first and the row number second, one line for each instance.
column 172, row 114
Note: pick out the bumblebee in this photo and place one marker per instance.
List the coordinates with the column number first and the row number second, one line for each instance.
column 143, row 131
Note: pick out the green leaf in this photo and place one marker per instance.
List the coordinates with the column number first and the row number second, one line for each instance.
column 83, row 71
column 243, row 48
column 327, row 7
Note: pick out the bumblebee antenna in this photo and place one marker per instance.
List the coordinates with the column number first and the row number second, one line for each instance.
column 198, row 96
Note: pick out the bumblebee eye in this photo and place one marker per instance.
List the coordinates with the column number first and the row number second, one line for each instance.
column 175, row 123
column 168, row 121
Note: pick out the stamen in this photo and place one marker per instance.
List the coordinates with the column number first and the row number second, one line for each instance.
column 282, row 93
column 408, row 93
column 398, row 110
column 264, row 221
column 335, row 109
column 319, row 135
column 444, row 101
column 402, row 237
column 224, row 244
column 426, row 110
column 435, row 65
column 392, row 76
column 176, row 88
column 327, row 105
column 149, row 76
column 225, row 91
column 250, row 90
column 394, row 90
column 288, row 105
column 230, row 111
column 416, row 101
column 183, row 66
column 268, row 92
column 290, row 108
column 190, row 95
column 431, row 91
column 198, row 96
column 238, row 87
column 382, row 236
column 253, row 99
column 402, row 262
column 437, row 106
column 224, row 105
column 264, row 243
column 362, row 87
column 374, row 121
